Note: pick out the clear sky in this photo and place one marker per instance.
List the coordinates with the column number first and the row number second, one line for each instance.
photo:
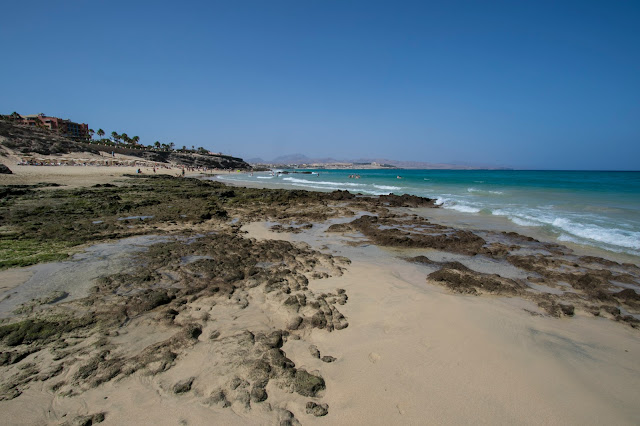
column 551, row 85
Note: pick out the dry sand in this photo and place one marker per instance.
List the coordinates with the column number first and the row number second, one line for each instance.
column 77, row 175
column 413, row 353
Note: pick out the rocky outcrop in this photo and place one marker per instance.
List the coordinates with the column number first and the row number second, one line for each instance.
column 412, row 232
column 406, row 200
column 25, row 140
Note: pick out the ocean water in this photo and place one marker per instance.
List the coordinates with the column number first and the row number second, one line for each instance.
column 591, row 208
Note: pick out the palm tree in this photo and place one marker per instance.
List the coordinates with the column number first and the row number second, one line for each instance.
column 125, row 138
column 157, row 144
column 100, row 133
column 135, row 140
column 115, row 136
column 91, row 132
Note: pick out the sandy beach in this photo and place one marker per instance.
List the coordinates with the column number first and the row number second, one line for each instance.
column 82, row 175
column 254, row 307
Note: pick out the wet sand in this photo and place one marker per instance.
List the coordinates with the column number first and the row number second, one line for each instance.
column 328, row 310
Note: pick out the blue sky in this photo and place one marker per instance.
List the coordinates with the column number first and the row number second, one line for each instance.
column 549, row 85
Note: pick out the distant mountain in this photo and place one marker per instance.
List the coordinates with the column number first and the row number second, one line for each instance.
column 420, row 164
column 303, row 159
column 299, row 159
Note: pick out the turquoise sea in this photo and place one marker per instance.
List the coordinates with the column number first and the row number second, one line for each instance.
column 591, row 208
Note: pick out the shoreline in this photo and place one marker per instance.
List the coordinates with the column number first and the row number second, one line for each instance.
column 476, row 222
column 370, row 328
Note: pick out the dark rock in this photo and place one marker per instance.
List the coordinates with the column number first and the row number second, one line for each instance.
column 307, row 384
column 388, row 232
column 294, row 323
column 567, row 310
column 461, row 279
column 613, row 310
column 339, row 195
column 5, row 170
column 258, row 394
column 183, row 386
column 271, row 340
column 89, row 420
column 627, row 295
column 406, row 200
column 286, row 418
column 339, row 227
column 13, row 357
column 219, row 397
column 194, row 331
column 317, row 410
column 238, row 382
column 422, row 259
column 318, row 320
column 629, row 319
column 589, row 281
column 328, row 358
column 313, row 350
column 276, row 358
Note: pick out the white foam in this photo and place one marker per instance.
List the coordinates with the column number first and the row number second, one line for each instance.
column 449, row 203
column 336, row 188
column 440, row 201
column 316, row 187
column 522, row 220
column 320, row 182
column 463, row 208
column 389, row 188
column 485, row 191
column 611, row 236
column 570, row 239
column 578, row 229
column 265, row 177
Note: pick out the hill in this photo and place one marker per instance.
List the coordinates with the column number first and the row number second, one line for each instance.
column 303, row 160
column 22, row 141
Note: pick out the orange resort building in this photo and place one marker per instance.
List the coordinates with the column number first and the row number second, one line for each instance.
column 59, row 125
